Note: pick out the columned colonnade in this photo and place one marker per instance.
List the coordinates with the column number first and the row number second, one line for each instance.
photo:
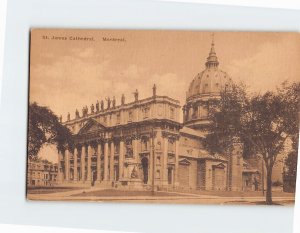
column 104, row 162
column 91, row 161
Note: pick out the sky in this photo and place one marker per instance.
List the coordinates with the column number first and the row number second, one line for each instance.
column 66, row 75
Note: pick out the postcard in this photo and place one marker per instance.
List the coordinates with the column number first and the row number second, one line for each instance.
column 162, row 116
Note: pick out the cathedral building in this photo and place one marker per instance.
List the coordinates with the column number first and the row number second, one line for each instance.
column 143, row 145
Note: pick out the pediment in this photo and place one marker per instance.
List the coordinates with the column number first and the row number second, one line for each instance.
column 91, row 126
column 184, row 162
column 220, row 165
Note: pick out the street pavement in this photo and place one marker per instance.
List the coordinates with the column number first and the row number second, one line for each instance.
column 173, row 198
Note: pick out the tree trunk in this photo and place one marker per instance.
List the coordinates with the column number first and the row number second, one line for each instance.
column 269, row 186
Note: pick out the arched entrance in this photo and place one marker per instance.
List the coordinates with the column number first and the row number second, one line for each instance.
column 144, row 162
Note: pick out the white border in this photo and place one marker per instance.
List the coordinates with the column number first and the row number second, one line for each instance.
column 287, row 4
column 117, row 14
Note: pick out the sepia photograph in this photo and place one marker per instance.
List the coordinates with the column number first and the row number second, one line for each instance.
column 163, row 116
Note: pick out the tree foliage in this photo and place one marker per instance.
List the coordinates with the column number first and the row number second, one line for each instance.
column 45, row 128
column 263, row 122
column 290, row 172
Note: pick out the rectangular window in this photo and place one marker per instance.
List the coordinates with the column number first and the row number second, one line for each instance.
column 146, row 112
column 171, row 146
column 130, row 116
column 172, row 114
column 118, row 118
column 144, row 144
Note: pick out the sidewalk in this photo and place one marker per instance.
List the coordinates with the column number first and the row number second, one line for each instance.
column 168, row 197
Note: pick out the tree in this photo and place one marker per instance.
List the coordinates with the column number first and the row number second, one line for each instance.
column 290, row 95
column 45, row 128
column 263, row 123
column 290, row 172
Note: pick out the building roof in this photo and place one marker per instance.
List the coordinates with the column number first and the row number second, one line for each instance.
column 192, row 132
column 125, row 106
column 190, row 152
column 211, row 80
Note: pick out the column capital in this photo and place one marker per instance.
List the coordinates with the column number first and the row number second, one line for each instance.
column 136, row 137
column 170, row 135
column 107, row 140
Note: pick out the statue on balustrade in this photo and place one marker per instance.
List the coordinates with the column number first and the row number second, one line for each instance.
column 102, row 105
column 154, row 90
column 114, row 102
column 86, row 110
column 76, row 114
column 123, row 99
column 136, row 95
column 108, row 102
column 97, row 106
column 92, row 108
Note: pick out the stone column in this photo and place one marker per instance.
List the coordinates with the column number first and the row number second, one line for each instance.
column 89, row 164
column 75, row 164
column 99, row 149
column 112, row 162
column 121, row 160
column 165, row 162
column 176, row 182
column 106, row 161
column 67, row 165
column 60, row 173
column 83, row 152
column 150, row 165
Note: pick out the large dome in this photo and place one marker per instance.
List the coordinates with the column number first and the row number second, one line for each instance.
column 210, row 81
column 206, row 85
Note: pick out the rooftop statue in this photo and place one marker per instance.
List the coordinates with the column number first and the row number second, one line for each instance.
column 154, row 90
column 136, row 95
column 102, row 105
column 86, row 110
column 108, row 102
column 83, row 112
column 123, row 99
column 97, row 106
column 114, row 102
column 76, row 114
column 92, row 108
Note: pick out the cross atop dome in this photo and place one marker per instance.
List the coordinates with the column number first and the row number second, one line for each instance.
column 212, row 60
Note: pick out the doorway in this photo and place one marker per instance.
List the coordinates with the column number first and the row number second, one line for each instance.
column 145, row 169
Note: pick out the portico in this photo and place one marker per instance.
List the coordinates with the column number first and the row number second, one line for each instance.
column 132, row 146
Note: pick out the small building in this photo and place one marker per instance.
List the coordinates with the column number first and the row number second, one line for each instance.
column 41, row 173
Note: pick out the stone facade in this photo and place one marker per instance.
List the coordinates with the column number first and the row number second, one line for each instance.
column 143, row 144
column 132, row 145
column 41, row 173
